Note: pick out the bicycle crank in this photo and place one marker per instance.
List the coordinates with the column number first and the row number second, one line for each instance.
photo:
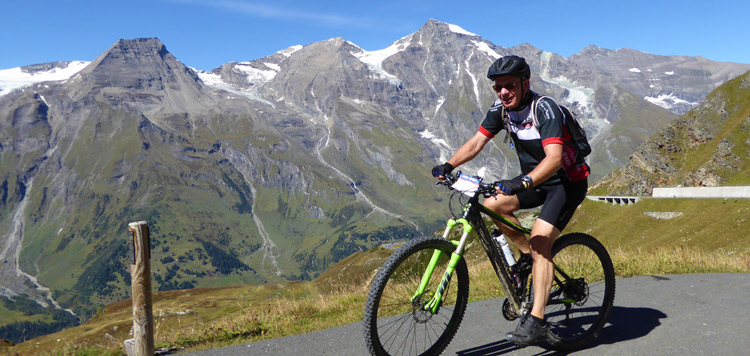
column 510, row 313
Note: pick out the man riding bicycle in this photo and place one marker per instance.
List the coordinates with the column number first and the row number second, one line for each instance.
column 540, row 145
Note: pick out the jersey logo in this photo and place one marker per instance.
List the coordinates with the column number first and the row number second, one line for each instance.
column 526, row 132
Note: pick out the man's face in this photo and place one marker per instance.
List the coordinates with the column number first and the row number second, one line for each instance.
column 509, row 90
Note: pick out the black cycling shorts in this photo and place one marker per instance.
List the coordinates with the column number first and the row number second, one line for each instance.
column 558, row 201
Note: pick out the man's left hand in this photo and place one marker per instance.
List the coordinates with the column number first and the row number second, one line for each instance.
column 515, row 186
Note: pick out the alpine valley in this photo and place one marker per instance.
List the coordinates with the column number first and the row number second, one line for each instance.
column 274, row 169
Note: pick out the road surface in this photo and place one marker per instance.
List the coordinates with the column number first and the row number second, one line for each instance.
column 698, row 314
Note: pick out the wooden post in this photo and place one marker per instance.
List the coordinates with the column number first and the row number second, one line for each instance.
column 142, row 343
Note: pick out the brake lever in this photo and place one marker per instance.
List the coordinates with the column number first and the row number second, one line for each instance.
column 445, row 182
column 493, row 193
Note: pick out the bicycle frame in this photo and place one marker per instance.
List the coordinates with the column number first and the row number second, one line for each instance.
column 431, row 272
column 471, row 220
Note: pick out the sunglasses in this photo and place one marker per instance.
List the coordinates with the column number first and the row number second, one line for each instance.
column 507, row 87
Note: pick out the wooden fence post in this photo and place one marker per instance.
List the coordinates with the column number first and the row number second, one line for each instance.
column 142, row 343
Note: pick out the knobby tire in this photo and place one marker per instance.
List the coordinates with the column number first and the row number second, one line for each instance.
column 585, row 261
column 393, row 324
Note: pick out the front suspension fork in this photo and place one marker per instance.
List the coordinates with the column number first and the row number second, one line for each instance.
column 437, row 299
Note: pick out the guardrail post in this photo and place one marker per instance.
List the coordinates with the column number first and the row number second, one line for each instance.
column 142, row 343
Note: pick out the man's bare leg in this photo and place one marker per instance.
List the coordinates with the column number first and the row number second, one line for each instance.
column 543, row 235
column 532, row 328
column 506, row 206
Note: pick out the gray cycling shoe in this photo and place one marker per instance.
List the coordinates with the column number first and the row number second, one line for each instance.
column 529, row 331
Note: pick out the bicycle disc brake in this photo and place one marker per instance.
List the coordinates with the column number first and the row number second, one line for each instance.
column 422, row 308
column 577, row 290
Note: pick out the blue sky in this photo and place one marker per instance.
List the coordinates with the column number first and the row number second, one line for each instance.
column 206, row 34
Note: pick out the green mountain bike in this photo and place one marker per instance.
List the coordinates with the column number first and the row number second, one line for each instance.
column 418, row 298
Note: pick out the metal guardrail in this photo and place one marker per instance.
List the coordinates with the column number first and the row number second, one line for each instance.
column 615, row 200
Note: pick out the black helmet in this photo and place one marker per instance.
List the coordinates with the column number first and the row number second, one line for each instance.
column 510, row 65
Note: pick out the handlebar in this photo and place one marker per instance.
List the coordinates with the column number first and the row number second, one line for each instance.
column 486, row 190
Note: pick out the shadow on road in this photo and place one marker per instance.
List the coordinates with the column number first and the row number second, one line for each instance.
column 629, row 324
column 624, row 324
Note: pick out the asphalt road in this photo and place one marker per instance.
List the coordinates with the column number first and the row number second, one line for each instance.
column 699, row 314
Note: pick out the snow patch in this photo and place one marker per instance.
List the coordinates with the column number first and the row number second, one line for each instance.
column 442, row 145
column 214, row 81
column 44, row 100
column 430, row 136
column 668, row 101
column 275, row 67
column 255, row 75
column 484, row 47
column 580, row 94
column 17, row 78
column 669, row 73
column 473, row 79
column 459, row 30
column 634, row 70
column 576, row 93
column 440, row 103
column 374, row 60
column 289, row 51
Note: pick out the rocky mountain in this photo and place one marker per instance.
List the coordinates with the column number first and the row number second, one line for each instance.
column 271, row 169
column 677, row 83
column 707, row 146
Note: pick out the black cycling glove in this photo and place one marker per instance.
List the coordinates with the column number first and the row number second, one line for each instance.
column 516, row 185
column 442, row 170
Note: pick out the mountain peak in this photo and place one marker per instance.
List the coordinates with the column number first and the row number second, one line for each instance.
column 152, row 44
column 137, row 64
column 435, row 26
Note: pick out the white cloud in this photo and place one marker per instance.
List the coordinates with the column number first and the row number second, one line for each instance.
column 256, row 9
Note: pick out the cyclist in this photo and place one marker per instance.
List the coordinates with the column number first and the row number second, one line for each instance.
column 543, row 181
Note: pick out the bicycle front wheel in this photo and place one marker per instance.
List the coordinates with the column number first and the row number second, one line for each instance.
column 396, row 321
column 583, row 291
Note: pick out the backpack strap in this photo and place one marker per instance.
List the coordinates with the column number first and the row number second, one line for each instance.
column 534, row 105
column 532, row 112
column 506, row 122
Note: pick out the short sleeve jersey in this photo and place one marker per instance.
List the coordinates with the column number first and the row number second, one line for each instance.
column 527, row 140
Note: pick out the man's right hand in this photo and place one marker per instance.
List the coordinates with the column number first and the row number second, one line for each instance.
column 441, row 170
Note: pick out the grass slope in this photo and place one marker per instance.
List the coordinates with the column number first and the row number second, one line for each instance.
column 708, row 237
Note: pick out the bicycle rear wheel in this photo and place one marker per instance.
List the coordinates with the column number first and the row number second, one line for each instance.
column 582, row 293
column 397, row 325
